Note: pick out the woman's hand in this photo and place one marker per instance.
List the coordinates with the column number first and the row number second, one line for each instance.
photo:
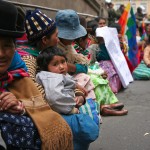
column 71, row 68
column 104, row 75
column 9, row 103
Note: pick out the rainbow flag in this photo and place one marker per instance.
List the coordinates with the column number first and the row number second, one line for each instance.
column 128, row 24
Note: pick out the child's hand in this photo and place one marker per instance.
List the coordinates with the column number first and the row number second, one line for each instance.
column 76, row 111
column 79, row 101
column 82, row 89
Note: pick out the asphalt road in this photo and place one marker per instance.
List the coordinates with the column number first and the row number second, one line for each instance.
column 131, row 132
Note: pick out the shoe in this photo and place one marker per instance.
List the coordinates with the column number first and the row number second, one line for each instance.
column 112, row 112
column 117, row 106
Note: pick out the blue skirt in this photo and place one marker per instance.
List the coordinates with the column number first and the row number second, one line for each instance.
column 19, row 132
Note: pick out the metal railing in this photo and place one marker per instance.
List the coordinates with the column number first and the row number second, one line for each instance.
column 46, row 8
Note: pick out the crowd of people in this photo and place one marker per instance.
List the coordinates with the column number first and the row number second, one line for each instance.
column 57, row 78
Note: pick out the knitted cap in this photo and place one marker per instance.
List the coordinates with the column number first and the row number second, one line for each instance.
column 38, row 25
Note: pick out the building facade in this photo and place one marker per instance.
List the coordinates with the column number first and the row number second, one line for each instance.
column 91, row 7
column 135, row 4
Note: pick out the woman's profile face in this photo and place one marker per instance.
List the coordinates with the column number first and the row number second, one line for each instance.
column 7, row 49
column 54, row 38
column 50, row 40
column 83, row 43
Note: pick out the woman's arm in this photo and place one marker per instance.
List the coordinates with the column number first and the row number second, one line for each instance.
column 77, row 68
column 147, row 56
column 71, row 68
column 81, row 68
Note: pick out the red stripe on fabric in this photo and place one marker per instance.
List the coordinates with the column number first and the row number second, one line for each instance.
column 123, row 21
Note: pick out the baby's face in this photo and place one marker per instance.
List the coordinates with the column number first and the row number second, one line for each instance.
column 58, row 65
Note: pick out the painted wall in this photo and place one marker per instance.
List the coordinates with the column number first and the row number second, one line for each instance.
column 78, row 5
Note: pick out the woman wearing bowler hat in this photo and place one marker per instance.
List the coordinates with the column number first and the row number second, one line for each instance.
column 23, row 123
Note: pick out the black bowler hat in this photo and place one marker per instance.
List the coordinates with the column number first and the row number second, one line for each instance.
column 8, row 20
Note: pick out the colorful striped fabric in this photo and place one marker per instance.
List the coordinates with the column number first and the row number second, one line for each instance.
column 128, row 24
column 91, row 108
column 124, row 18
column 142, row 72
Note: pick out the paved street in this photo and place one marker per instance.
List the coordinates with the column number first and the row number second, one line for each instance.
column 131, row 132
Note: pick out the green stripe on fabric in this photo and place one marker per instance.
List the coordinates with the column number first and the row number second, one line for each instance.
column 88, row 110
column 130, row 22
column 129, row 34
column 131, row 11
column 83, row 109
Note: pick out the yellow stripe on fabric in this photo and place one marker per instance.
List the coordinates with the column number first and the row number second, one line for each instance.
column 128, row 7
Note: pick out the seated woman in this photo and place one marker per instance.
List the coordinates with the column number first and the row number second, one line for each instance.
column 39, row 39
column 22, row 106
column 79, row 62
column 68, row 30
column 98, row 77
column 103, row 58
column 105, row 63
column 142, row 72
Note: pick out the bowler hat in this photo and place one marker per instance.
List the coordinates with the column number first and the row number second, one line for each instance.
column 8, row 20
column 21, row 19
column 68, row 24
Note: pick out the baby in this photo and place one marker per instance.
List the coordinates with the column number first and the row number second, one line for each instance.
column 62, row 93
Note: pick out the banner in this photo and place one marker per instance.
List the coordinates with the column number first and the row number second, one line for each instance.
column 112, row 44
